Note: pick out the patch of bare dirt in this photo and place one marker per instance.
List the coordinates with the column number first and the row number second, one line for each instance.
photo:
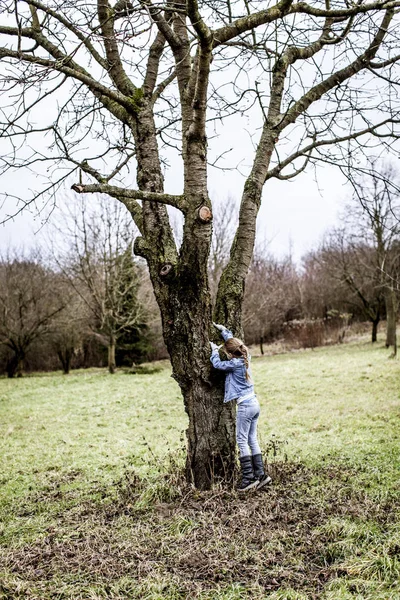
column 272, row 539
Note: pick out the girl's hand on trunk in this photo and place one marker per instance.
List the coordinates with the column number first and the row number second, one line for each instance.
column 214, row 347
column 219, row 327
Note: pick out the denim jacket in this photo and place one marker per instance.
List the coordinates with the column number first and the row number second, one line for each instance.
column 236, row 384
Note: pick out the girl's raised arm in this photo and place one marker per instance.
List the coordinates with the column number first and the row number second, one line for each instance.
column 224, row 331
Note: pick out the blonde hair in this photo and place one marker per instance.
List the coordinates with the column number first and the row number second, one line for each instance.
column 235, row 347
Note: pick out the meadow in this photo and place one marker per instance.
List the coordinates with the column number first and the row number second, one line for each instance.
column 94, row 505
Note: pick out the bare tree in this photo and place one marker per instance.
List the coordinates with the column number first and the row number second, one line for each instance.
column 272, row 297
column 319, row 285
column 375, row 212
column 351, row 263
column 100, row 268
column 70, row 328
column 142, row 78
column 31, row 298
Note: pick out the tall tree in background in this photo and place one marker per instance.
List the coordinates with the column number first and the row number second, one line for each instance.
column 71, row 327
column 99, row 266
column 350, row 263
column 375, row 217
column 318, row 285
column 272, row 297
column 138, row 78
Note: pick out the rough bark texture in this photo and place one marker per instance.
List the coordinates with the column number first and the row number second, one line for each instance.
column 185, row 307
column 182, row 292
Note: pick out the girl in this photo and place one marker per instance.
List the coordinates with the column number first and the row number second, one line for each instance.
column 239, row 387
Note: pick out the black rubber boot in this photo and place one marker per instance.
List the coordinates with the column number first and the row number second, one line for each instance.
column 248, row 479
column 259, row 472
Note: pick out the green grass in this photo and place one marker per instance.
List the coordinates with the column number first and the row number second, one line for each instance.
column 335, row 404
column 94, row 505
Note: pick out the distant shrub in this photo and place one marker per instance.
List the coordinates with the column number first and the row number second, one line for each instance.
column 310, row 333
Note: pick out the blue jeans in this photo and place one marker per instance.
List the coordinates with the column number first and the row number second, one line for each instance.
column 248, row 412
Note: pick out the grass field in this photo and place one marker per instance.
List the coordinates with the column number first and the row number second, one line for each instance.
column 94, row 505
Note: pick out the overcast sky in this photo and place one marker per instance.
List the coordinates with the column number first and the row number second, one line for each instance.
column 294, row 214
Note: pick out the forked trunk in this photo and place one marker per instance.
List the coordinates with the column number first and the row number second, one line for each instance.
column 375, row 324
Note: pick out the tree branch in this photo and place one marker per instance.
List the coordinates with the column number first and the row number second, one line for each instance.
column 115, row 66
column 162, row 24
column 68, row 25
column 385, row 63
column 233, row 30
column 287, row 7
column 306, row 150
column 303, row 7
column 155, row 53
column 337, row 78
column 103, row 188
column 118, row 104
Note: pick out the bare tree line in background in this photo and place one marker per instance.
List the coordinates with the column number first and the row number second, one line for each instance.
column 90, row 303
column 85, row 302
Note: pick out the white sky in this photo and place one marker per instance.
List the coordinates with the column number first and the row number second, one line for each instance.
column 293, row 215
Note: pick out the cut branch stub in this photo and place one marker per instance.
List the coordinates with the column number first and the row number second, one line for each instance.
column 140, row 247
column 77, row 188
column 165, row 270
column 205, row 214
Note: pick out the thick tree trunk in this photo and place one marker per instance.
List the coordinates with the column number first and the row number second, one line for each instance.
column 394, row 353
column 11, row 367
column 111, row 355
column 391, row 317
column 375, row 324
column 211, row 431
column 211, row 446
column 211, row 454
column 182, row 291
column 15, row 366
column 68, row 356
column 65, row 359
